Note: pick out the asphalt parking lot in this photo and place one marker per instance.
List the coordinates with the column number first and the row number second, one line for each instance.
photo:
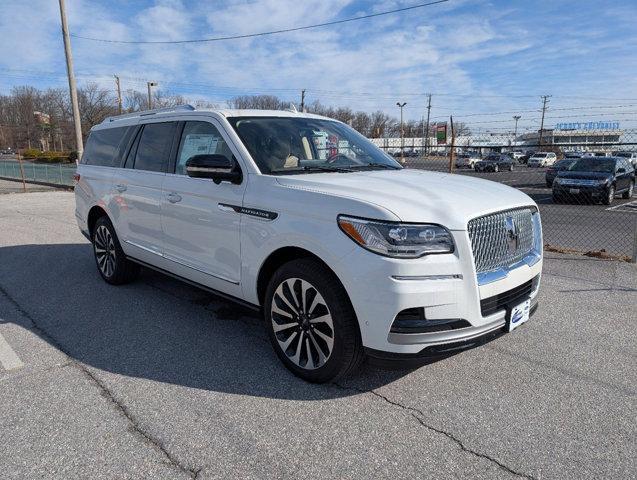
column 158, row 379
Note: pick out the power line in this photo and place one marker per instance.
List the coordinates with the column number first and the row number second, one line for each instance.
column 261, row 34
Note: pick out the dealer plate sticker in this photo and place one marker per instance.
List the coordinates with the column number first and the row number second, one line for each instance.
column 520, row 314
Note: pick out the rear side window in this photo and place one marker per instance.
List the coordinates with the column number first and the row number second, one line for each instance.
column 102, row 147
column 154, row 146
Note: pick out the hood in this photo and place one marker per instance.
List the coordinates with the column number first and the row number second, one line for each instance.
column 416, row 195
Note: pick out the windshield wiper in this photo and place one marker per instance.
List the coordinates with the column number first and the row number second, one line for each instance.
column 378, row 165
column 312, row 168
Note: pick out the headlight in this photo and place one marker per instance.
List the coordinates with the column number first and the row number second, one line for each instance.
column 400, row 240
column 603, row 181
column 557, row 181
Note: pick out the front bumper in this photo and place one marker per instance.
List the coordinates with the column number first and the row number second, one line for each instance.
column 446, row 286
column 600, row 190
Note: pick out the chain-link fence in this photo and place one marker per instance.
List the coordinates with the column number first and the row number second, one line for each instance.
column 582, row 180
column 47, row 173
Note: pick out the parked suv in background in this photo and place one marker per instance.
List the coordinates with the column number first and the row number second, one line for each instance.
column 558, row 166
column 542, row 159
column 595, row 178
column 345, row 252
column 467, row 160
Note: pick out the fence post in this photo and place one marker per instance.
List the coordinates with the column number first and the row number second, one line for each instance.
column 24, row 183
column 634, row 259
column 60, row 169
column 46, row 171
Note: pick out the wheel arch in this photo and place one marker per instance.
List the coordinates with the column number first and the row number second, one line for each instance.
column 94, row 214
column 281, row 256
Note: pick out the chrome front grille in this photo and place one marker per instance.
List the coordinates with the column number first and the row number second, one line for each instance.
column 501, row 239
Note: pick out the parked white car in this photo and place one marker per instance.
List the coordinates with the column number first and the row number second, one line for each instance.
column 345, row 252
column 542, row 159
column 467, row 160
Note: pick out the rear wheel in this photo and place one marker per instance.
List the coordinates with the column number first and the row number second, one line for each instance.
column 610, row 196
column 110, row 259
column 496, row 168
column 629, row 193
column 311, row 323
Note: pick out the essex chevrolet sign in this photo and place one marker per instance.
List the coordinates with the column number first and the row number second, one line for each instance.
column 587, row 126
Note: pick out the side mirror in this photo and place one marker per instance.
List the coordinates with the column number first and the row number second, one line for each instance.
column 219, row 168
column 621, row 170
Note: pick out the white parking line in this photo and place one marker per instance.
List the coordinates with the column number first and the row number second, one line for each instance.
column 8, row 358
column 625, row 207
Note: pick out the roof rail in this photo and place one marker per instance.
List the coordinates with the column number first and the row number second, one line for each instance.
column 144, row 113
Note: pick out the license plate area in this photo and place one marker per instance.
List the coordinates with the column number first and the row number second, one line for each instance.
column 518, row 315
column 573, row 190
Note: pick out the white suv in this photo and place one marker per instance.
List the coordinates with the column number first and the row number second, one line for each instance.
column 346, row 253
column 542, row 159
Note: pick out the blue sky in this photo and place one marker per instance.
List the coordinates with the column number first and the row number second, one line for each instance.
column 478, row 58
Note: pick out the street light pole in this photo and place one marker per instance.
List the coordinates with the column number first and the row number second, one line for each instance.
column 150, row 98
column 402, row 136
column 516, row 118
column 79, row 144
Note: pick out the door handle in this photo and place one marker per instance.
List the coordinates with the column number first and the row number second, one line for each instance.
column 174, row 197
column 120, row 188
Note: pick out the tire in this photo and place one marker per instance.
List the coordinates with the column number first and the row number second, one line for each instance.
column 557, row 198
column 610, row 196
column 549, row 184
column 629, row 193
column 298, row 345
column 496, row 169
column 511, row 168
column 110, row 259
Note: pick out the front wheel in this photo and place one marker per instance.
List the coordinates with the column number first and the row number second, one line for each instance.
column 610, row 196
column 511, row 168
column 311, row 323
column 496, row 169
column 629, row 193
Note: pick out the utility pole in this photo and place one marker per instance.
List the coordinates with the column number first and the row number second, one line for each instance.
column 79, row 145
column 516, row 118
column 402, row 133
column 119, row 95
column 150, row 98
column 427, row 133
column 452, row 152
column 303, row 100
column 545, row 101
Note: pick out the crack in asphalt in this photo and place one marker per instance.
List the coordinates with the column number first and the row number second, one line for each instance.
column 106, row 393
column 420, row 418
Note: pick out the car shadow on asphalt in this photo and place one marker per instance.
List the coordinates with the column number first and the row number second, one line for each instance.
column 158, row 328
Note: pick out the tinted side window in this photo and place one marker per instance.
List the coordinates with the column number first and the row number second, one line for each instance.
column 101, row 147
column 154, row 146
column 199, row 138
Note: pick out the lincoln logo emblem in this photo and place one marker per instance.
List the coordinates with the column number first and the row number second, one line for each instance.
column 511, row 234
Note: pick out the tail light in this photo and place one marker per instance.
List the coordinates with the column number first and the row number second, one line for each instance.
column 76, row 177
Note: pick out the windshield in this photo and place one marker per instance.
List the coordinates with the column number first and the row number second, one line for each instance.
column 594, row 165
column 540, row 155
column 291, row 145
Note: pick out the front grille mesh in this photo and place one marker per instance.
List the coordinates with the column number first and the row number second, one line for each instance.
column 488, row 235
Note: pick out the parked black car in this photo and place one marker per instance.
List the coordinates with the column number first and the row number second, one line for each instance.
column 598, row 178
column 558, row 166
column 494, row 162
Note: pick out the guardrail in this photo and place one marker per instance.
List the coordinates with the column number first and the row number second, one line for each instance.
column 53, row 174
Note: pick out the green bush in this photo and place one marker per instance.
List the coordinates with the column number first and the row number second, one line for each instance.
column 31, row 153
